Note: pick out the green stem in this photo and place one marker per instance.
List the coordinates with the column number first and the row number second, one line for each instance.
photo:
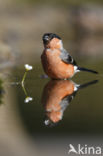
column 22, row 83
column 24, row 89
column 23, row 79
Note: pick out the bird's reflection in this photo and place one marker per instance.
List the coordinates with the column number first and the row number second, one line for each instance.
column 57, row 95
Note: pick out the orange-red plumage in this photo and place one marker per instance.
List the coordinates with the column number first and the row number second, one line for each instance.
column 56, row 61
column 53, row 66
column 53, row 94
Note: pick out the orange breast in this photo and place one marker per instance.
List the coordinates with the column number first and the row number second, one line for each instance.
column 53, row 93
column 54, row 67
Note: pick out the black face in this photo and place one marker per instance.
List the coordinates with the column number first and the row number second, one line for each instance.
column 48, row 37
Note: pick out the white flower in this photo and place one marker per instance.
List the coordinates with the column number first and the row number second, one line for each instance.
column 27, row 99
column 28, row 67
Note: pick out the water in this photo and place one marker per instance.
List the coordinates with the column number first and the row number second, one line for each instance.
column 82, row 115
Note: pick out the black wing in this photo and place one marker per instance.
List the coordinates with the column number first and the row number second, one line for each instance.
column 67, row 58
column 66, row 100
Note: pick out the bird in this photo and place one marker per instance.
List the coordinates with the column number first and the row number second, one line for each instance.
column 56, row 97
column 56, row 61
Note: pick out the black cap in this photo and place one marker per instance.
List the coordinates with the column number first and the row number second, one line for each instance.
column 49, row 36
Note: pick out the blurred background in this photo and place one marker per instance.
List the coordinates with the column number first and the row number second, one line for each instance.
column 22, row 24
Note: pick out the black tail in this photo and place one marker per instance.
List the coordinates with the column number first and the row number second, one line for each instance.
column 87, row 84
column 87, row 70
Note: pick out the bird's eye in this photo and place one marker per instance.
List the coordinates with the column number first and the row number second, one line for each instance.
column 46, row 38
